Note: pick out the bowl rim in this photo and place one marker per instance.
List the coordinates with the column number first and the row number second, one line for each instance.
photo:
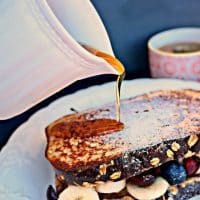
column 169, row 31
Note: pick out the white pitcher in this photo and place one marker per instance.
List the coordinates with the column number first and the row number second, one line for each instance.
column 39, row 52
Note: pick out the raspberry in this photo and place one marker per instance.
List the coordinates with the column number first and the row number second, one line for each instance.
column 143, row 180
column 191, row 166
column 157, row 171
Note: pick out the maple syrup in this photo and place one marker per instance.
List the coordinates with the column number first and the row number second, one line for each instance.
column 117, row 65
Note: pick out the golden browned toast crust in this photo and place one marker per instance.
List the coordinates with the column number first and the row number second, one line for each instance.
column 153, row 123
column 74, row 144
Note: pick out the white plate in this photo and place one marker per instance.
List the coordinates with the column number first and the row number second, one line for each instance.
column 25, row 173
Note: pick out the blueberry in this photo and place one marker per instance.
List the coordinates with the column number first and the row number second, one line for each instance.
column 174, row 173
column 51, row 193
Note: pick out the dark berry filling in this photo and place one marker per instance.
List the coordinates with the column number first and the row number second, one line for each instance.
column 173, row 171
column 143, row 180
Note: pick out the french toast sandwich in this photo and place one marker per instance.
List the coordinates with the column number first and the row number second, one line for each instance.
column 153, row 153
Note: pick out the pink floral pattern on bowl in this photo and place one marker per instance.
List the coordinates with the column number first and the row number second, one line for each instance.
column 175, row 66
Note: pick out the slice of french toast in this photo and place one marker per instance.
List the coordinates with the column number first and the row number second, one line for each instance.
column 155, row 128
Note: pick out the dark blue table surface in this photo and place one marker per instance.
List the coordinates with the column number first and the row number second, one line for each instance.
column 129, row 23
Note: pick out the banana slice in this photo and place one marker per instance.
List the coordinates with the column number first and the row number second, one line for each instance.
column 111, row 187
column 78, row 192
column 198, row 171
column 195, row 198
column 156, row 190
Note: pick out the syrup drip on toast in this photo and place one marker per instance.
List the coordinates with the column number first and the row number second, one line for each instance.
column 120, row 68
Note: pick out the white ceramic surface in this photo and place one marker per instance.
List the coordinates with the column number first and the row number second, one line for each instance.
column 39, row 55
column 25, row 173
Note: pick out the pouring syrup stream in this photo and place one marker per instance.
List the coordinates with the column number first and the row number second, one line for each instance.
column 117, row 65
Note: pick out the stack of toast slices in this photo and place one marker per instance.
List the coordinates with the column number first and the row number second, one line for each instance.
column 153, row 153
